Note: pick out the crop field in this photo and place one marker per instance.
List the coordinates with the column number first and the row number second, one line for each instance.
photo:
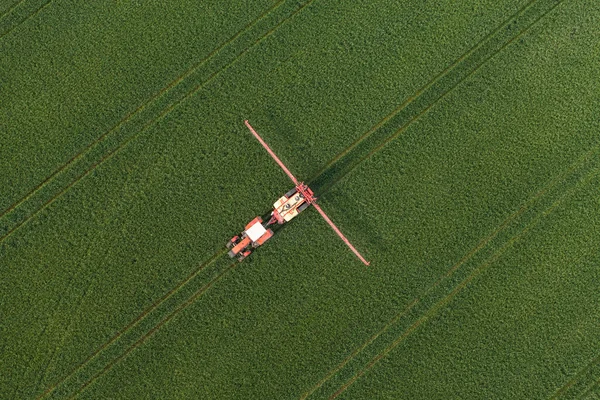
column 456, row 144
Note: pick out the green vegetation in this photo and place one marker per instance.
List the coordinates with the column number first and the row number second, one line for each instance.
column 456, row 145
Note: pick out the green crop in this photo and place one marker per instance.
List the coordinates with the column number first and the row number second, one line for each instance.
column 455, row 145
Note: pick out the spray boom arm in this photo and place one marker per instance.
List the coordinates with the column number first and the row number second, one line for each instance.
column 272, row 153
column 301, row 187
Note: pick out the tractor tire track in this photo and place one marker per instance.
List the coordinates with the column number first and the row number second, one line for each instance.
column 12, row 25
column 586, row 180
column 182, row 306
column 63, row 337
column 425, row 87
column 580, row 381
column 11, row 9
column 38, row 353
column 359, row 349
column 128, row 117
column 589, row 390
column 113, row 141
column 572, row 175
column 393, row 125
column 188, row 280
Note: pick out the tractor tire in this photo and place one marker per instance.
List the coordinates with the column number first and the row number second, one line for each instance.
column 290, row 193
column 303, row 207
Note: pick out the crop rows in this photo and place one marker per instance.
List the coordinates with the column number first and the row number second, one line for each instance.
column 290, row 317
column 18, row 13
column 579, row 144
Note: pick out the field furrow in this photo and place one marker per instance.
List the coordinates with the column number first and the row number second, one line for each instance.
column 395, row 123
column 6, row 7
column 455, row 144
column 582, row 383
column 142, row 118
column 19, row 13
column 455, row 278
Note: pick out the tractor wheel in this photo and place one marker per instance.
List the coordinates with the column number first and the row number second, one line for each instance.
column 232, row 242
column 243, row 255
column 290, row 193
column 303, row 207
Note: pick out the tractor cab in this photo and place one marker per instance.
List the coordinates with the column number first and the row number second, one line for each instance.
column 254, row 235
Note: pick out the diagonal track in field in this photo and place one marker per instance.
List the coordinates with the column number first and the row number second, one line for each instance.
column 19, row 14
column 155, row 328
column 582, row 381
column 151, row 122
column 38, row 375
column 396, row 123
column 581, row 182
column 11, row 9
column 188, row 282
column 502, row 234
column 191, row 281
column 50, row 324
column 593, row 387
column 146, row 115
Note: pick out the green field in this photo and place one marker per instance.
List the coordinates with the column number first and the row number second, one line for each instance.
column 456, row 144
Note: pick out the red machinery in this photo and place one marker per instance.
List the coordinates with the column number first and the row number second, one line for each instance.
column 284, row 209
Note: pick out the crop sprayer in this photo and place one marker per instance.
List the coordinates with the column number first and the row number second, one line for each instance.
column 285, row 209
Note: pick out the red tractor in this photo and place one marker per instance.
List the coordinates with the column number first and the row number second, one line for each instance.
column 255, row 233
column 253, row 236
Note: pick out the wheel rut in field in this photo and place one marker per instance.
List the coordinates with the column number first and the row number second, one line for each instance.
column 19, row 13
column 9, row 11
column 110, row 143
column 146, row 115
column 128, row 337
column 581, row 384
column 413, row 108
column 491, row 248
column 382, row 133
